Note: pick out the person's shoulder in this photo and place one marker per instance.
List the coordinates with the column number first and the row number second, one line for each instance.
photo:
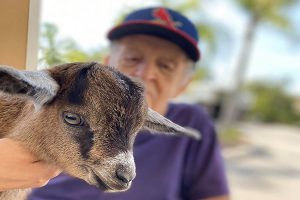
column 194, row 116
column 188, row 111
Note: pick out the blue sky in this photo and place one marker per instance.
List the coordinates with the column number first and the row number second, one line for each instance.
column 273, row 56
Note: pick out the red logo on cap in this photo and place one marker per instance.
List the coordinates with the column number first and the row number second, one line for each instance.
column 164, row 17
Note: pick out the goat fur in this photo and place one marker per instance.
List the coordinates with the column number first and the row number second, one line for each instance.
column 37, row 106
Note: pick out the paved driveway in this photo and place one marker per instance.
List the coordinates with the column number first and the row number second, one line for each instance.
column 267, row 167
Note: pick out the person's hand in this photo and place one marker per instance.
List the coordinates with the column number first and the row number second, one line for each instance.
column 20, row 169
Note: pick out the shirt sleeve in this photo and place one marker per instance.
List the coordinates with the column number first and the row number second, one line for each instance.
column 204, row 173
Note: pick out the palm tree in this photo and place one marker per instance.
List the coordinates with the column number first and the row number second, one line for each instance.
column 259, row 11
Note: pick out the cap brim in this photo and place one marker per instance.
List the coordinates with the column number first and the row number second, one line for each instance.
column 145, row 27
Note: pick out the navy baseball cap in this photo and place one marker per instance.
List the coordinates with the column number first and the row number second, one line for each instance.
column 161, row 22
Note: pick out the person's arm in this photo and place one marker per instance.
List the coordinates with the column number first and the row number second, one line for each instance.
column 20, row 169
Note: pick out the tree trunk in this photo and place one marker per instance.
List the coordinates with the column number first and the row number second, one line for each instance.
column 230, row 112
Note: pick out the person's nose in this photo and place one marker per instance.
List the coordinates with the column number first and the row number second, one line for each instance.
column 145, row 71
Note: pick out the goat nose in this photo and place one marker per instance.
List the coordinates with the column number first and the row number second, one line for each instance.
column 124, row 176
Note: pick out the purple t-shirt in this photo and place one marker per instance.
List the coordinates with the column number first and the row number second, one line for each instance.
column 167, row 168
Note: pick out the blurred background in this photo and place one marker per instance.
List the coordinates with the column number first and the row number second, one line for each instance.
column 248, row 78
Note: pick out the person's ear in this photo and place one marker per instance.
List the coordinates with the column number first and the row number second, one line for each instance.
column 184, row 83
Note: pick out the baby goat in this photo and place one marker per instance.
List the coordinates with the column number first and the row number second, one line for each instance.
column 81, row 117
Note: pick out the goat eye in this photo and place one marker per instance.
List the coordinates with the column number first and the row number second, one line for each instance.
column 72, row 119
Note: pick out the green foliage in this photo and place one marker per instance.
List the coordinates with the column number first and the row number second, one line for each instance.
column 54, row 51
column 270, row 11
column 272, row 103
column 201, row 73
column 182, row 6
column 49, row 48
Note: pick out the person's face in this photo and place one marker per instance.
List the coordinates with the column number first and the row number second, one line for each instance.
column 161, row 65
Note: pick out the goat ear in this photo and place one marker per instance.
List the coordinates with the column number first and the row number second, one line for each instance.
column 157, row 123
column 37, row 85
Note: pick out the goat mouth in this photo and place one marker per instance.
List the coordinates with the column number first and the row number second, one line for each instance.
column 105, row 187
column 100, row 183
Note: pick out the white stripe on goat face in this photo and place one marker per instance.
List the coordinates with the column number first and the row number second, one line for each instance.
column 124, row 158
